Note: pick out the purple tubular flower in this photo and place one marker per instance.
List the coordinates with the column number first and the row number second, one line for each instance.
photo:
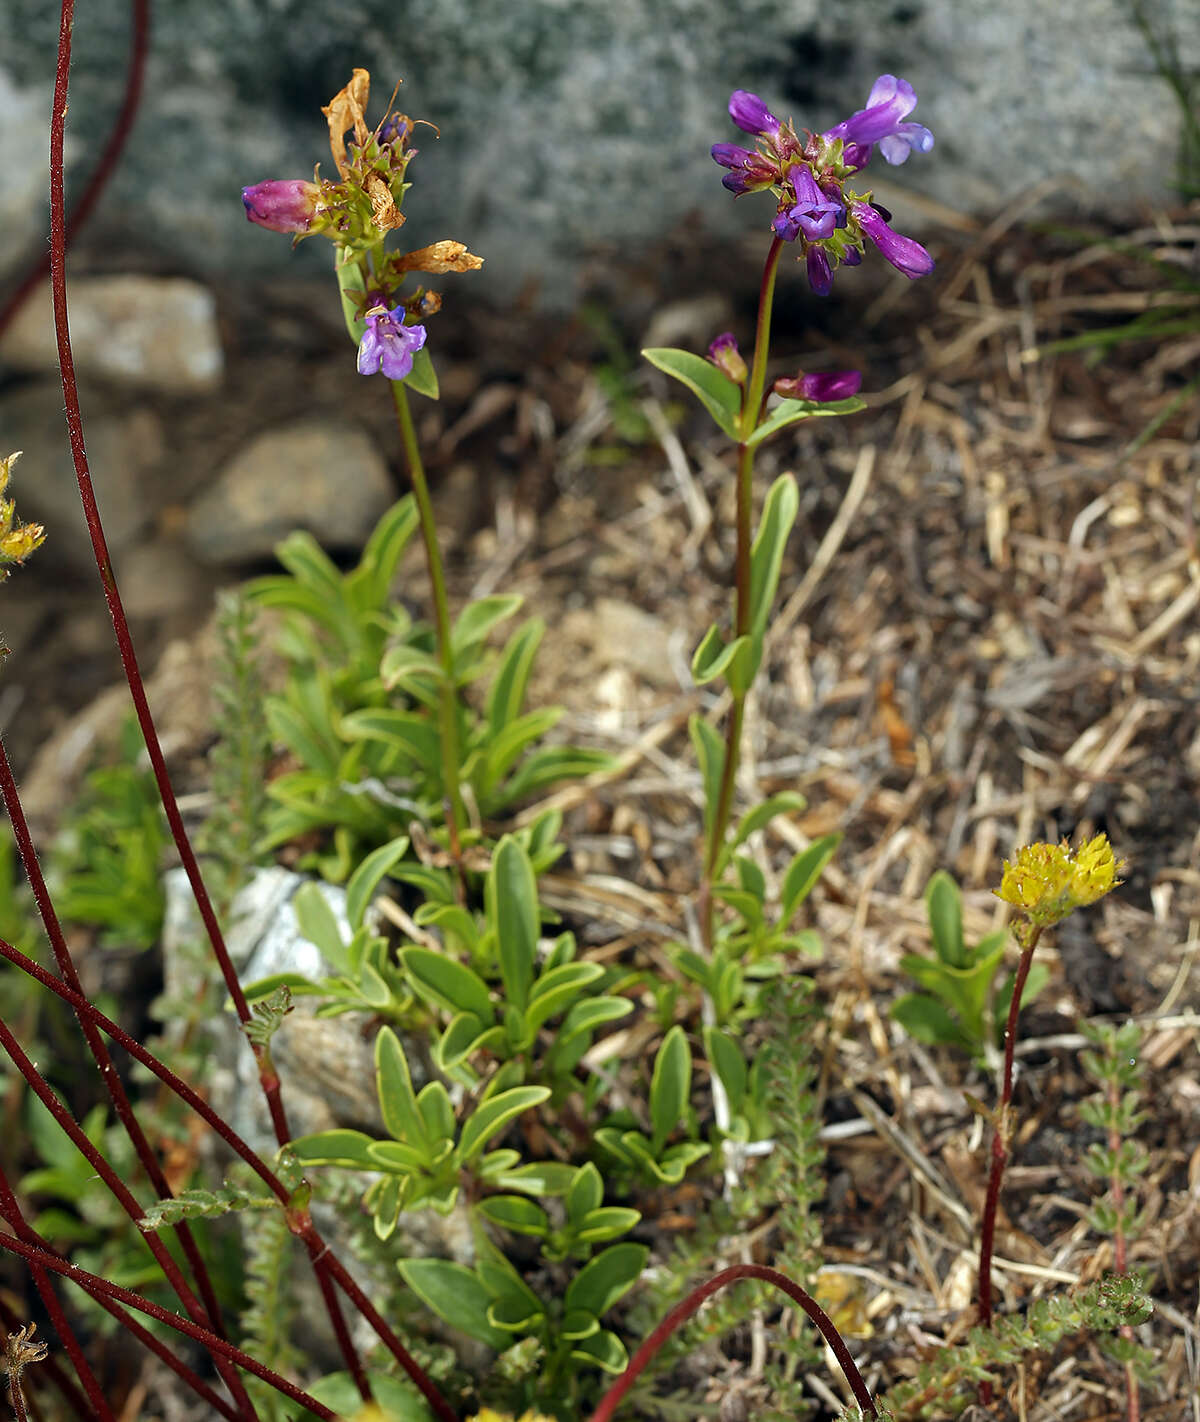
column 388, row 344
column 750, row 171
column 822, row 388
column 904, row 254
column 725, row 355
column 888, row 103
column 283, row 205
column 820, row 273
column 815, row 216
column 751, row 115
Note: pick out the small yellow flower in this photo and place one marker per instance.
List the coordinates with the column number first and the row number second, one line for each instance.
column 1049, row 881
column 489, row 1415
column 17, row 540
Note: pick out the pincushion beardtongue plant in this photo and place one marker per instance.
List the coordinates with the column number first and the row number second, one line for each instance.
column 356, row 212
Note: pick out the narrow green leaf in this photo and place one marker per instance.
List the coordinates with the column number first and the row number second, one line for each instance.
column 670, row 1084
column 803, row 873
column 943, row 906
column 604, row 1279
column 585, row 1194
column 349, row 1148
column 462, row 1036
column 713, row 657
column 766, row 555
column 515, row 1213
column 715, row 391
column 423, row 378
column 317, row 922
column 456, row 1295
column 710, row 755
column 587, row 1016
column 491, row 1118
column 603, row 1349
column 397, row 1103
column 447, row 983
column 725, row 1058
column 476, row 621
column 927, row 1020
column 506, row 695
column 367, row 877
column 789, row 412
column 512, row 907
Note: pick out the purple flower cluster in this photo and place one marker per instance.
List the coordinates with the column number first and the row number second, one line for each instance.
column 808, row 178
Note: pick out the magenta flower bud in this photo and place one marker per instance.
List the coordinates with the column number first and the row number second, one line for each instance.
column 822, row 388
column 725, row 355
column 751, row 115
column 388, row 344
column 751, row 172
column 282, row 205
column 889, row 102
column 904, row 254
column 814, row 214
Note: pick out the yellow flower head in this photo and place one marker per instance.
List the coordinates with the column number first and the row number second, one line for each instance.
column 17, row 540
column 1049, row 881
column 489, row 1415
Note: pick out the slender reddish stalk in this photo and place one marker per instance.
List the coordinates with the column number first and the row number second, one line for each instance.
column 112, row 596
column 11, row 1210
column 122, row 127
column 221, row 1347
column 268, row 1078
column 108, row 1073
column 41, row 1089
column 299, row 1221
column 683, row 1311
column 1002, row 1134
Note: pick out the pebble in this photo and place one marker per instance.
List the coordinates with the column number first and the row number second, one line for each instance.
column 323, row 475
column 154, row 333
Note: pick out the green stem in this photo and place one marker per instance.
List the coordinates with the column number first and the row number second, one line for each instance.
column 448, row 689
column 751, row 409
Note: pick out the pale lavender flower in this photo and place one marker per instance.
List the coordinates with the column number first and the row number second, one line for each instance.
column 889, row 102
column 388, row 345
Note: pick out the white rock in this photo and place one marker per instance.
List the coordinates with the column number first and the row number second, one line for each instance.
column 155, row 333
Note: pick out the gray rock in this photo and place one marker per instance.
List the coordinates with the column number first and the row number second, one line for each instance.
column 24, row 168
column 568, row 126
column 323, row 475
column 154, row 333
column 124, row 448
column 159, row 579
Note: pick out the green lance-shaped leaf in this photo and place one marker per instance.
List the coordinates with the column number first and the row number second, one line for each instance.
column 604, row 1279
column 790, row 412
column 351, row 280
column 493, row 1116
column 714, row 657
column 317, row 922
column 397, row 1101
column 368, row 876
column 710, row 756
column 447, row 983
column 670, row 1085
column 477, row 620
column 716, row 392
column 766, row 555
column 803, row 873
column 512, row 908
column 943, row 906
column 423, row 378
column 456, row 1294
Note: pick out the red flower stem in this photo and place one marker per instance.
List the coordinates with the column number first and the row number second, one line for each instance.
column 220, row 1347
column 301, row 1224
column 41, row 1088
column 133, row 675
column 108, row 1073
column 683, row 1311
column 122, row 127
column 11, row 1211
column 74, row 1399
column 1002, row 1133
column 751, row 406
column 267, row 1076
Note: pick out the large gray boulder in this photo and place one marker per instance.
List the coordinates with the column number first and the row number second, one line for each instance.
column 572, row 127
